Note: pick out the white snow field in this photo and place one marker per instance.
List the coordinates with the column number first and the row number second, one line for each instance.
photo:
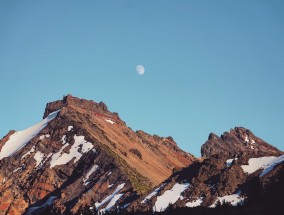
column 89, row 173
column 151, row 195
column 111, row 199
column 38, row 157
column 110, row 121
column 20, row 138
column 80, row 142
column 234, row 199
column 265, row 163
column 169, row 197
column 194, row 203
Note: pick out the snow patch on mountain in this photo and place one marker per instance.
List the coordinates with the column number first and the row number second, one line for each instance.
column 29, row 152
column 38, row 157
column 110, row 121
column 112, row 202
column 44, row 136
column 17, row 169
column 76, row 151
column 234, row 199
column 112, row 199
column 20, row 138
column 194, row 203
column 56, row 156
column 265, row 163
column 154, row 193
column 89, row 173
column 230, row 161
column 63, row 139
column 170, row 197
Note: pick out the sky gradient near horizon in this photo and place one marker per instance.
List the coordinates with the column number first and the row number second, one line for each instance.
column 209, row 65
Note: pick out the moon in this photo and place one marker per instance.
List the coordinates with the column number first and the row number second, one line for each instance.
column 140, row 69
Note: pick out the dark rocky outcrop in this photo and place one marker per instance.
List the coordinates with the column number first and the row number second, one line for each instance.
column 236, row 142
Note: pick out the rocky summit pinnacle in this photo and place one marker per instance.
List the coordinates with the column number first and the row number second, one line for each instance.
column 238, row 141
column 83, row 104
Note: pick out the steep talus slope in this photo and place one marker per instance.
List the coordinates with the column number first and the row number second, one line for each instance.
column 230, row 171
column 81, row 155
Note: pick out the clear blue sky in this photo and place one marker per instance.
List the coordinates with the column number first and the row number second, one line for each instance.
column 209, row 65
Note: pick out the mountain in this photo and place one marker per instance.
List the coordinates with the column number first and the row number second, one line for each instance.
column 83, row 159
column 82, row 155
column 236, row 142
column 236, row 168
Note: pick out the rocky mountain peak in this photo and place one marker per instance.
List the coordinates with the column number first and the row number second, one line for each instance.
column 84, row 105
column 212, row 136
column 103, row 106
column 242, row 133
column 82, row 154
column 238, row 141
column 171, row 140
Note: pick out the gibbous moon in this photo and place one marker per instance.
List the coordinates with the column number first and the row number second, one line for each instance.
column 140, row 69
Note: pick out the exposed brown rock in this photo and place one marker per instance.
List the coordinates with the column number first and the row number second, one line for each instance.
column 6, row 138
column 236, row 142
